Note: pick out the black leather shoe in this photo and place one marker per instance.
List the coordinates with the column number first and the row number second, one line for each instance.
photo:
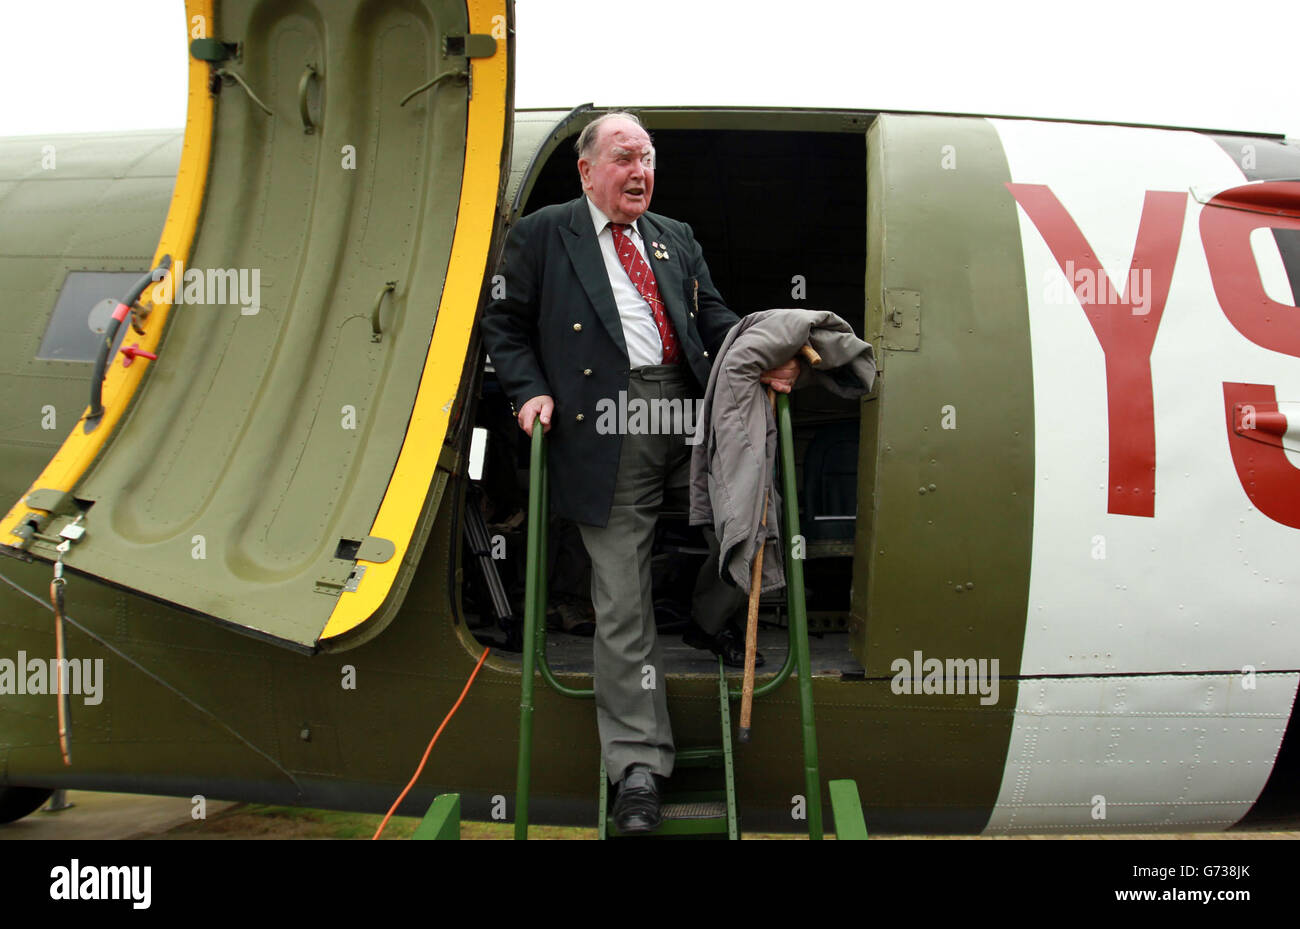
column 637, row 807
column 729, row 645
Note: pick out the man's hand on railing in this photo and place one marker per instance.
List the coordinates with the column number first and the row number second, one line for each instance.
column 542, row 406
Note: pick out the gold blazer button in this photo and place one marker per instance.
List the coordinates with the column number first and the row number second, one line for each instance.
column 579, row 417
column 577, row 327
column 587, row 371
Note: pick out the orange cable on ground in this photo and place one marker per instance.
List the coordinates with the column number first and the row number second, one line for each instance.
column 416, row 777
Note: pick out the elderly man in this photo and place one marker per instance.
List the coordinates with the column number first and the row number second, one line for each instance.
column 603, row 297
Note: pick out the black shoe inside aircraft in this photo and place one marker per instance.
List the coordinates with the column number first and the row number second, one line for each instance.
column 728, row 644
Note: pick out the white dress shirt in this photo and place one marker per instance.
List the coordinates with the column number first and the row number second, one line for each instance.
column 644, row 346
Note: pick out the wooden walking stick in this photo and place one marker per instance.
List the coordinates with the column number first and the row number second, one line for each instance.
column 755, row 588
column 751, row 621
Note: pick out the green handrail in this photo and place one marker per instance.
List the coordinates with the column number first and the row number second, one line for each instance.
column 534, row 639
column 798, row 616
column 536, row 593
column 535, row 508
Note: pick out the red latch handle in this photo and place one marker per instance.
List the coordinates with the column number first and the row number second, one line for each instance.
column 1272, row 423
column 132, row 351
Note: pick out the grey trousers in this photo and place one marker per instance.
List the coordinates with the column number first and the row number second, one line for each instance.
column 630, row 684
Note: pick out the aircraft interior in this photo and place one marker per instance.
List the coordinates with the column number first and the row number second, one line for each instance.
column 782, row 217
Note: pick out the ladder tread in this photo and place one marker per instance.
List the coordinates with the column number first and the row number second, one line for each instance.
column 698, row 809
column 675, row 827
column 707, row 756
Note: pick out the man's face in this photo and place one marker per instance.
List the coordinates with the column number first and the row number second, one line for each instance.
column 620, row 177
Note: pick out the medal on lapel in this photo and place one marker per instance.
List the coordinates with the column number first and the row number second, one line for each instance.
column 661, row 251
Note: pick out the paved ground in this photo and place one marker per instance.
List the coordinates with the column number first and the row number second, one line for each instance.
column 108, row 816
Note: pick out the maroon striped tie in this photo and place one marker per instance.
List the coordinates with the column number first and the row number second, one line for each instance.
column 638, row 270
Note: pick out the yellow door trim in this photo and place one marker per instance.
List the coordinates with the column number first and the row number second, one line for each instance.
column 440, row 381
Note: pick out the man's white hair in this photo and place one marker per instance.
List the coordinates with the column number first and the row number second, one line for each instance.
column 586, row 144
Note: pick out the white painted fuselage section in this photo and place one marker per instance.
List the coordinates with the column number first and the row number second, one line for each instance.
column 1191, row 599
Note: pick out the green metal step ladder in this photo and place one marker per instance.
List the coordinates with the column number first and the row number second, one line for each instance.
column 686, row 813
column 689, row 813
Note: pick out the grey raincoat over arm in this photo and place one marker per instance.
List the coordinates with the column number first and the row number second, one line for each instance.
column 735, row 455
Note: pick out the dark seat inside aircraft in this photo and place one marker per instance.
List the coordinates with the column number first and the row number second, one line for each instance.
column 830, row 485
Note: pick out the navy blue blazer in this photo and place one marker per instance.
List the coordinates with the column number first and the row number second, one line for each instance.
column 557, row 332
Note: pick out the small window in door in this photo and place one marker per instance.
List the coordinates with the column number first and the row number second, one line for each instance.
column 81, row 314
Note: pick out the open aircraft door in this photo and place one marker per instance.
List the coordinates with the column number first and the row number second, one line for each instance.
column 277, row 468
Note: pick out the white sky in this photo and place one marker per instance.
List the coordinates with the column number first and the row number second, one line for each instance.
column 94, row 65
